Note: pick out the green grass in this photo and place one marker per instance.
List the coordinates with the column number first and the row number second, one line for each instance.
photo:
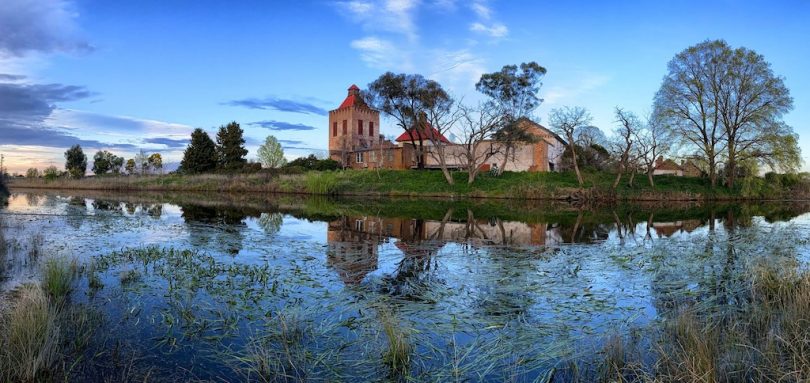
column 58, row 274
column 29, row 336
column 516, row 185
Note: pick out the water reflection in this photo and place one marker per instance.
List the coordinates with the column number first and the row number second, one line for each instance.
column 527, row 277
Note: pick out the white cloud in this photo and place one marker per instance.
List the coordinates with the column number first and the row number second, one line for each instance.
column 457, row 70
column 395, row 16
column 382, row 54
column 496, row 30
column 580, row 84
column 481, row 9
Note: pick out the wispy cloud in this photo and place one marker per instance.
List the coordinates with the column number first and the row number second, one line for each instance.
column 279, row 104
column 581, row 84
column 45, row 26
column 495, row 30
column 396, row 16
column 168, row 142
column 281, row 125
column 11, row 77
column 382, row 54
column 481, row 9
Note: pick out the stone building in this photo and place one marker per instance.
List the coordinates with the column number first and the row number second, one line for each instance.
column 355, row 141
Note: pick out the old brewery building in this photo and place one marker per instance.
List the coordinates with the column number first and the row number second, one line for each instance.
column 356, row 142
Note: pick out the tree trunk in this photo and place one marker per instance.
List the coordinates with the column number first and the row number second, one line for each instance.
column 618, row 178
column 505, row 159
column 632, row 178
column 731, row 172
column 574, row 159
column 650, row 177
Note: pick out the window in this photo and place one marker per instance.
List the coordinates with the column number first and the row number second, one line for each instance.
column 373, row 156
column 334, row 128
column 371, row 128
column 390, row 155
column 345, row 127
column 360, row 127
column 359, row 157
column 358, row 225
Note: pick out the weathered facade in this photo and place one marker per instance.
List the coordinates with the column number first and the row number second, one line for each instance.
column 355, row 142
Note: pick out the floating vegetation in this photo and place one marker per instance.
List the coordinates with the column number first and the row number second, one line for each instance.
column 457, row 294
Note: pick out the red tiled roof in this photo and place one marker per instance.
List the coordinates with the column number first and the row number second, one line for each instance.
column 353, row 99
column 349, row 101
column 424, row 134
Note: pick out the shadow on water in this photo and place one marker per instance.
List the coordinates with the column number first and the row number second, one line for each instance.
column 245, row 287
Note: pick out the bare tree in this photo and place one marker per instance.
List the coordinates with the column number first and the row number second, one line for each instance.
column 476, row 127
column 654, row 140
column 437, row 121
column 623, row 146
column 565, row 121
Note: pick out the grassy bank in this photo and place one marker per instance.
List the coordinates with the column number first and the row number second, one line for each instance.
column 559, row 186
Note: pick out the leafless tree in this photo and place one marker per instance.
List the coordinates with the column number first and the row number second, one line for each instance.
column 476, row 127
column 652, row 141
column 565, row 122
column 622, row 148
column 442, row 119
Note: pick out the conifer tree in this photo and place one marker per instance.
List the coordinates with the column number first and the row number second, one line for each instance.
column 200, row 155
column 231, row 150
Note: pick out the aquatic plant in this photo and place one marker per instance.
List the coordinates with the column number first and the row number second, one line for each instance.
column 58, row 274
column 29, row 336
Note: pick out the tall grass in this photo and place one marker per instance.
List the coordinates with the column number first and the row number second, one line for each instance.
column 30, row 336
column 58, row 274
column 397, row 355
column 322, row 182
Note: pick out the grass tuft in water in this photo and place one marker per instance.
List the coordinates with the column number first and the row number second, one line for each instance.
column 29, row 336
column 58, row 274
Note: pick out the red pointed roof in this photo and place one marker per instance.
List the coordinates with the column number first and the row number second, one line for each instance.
column 424, row 134
column 353, row 99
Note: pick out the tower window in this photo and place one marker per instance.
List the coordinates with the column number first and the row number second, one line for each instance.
column 360, row 127
column 371, row 128
column 358, row 157
column 334, row 129
column 345, row 127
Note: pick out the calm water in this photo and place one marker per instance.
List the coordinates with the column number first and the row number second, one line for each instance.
column 482, row 290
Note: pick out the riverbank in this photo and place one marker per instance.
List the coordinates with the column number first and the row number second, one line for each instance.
column 391, row 183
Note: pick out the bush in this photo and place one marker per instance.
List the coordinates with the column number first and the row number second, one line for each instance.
column 313, row 163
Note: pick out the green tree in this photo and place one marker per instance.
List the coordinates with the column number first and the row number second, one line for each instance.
column 105, row 162
column 724, row 104
column 513, row 93
column 155, row 161
column 271, row 154
column 405, row 97
column 230, row 148
column 75, row 161
column 130, row 166
column 32, row 173
column 51, row 173
column 200, row 155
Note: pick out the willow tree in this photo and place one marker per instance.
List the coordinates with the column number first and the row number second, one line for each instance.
column 726, row 104
column 513, row 93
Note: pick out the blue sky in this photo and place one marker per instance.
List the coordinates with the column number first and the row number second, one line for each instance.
column 136, row 75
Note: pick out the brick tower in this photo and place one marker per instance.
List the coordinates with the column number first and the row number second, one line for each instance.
column 352, row 126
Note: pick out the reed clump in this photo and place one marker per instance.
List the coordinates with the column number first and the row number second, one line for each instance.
column 29, row 336
column 58, row 274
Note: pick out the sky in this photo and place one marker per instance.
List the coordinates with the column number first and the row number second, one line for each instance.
column 130, row 75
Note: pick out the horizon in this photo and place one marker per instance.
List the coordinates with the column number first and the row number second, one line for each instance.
column 130, row 76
